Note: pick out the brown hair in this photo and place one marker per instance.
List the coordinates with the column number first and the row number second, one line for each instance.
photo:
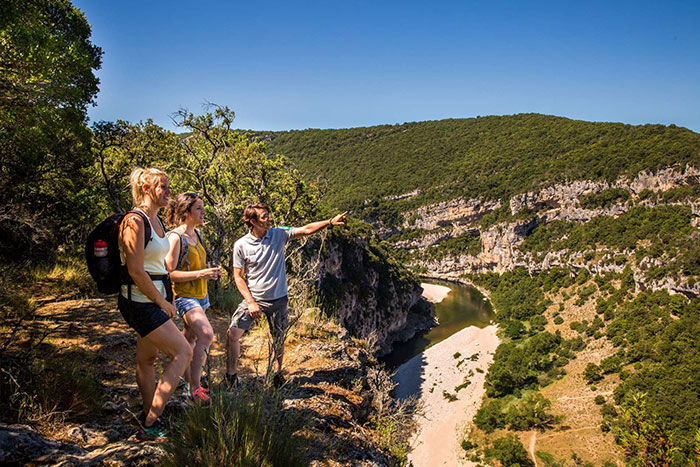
column 179, row 207
column 140, row 177
column 251, row 213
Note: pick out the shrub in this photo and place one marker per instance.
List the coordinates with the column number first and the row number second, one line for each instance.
column 509, row 451
column 592, row 373
column 490, row 416
column 531, row 412
column 249, row 429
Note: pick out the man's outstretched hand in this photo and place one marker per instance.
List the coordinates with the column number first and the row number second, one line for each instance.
column 339, row 219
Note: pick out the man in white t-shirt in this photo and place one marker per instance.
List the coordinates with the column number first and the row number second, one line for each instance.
column 261, row 278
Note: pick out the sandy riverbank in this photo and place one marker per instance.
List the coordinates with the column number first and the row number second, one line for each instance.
column 435, row 372
column 435, row 293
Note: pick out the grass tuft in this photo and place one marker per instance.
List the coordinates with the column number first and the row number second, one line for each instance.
column 247, row 428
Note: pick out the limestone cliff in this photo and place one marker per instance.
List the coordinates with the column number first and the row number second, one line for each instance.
column 500, row 243
column 370, row 294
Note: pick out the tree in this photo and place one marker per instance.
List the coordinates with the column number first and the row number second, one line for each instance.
column 47, row 80
column 642, row 435
column 230, row 169
column 509, row 451
column 120, row 146
column 531, row 412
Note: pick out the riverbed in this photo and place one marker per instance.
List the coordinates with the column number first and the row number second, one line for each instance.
column 447, row 376
column 456, row 308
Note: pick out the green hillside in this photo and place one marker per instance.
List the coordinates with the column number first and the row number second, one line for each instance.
column 484, row 156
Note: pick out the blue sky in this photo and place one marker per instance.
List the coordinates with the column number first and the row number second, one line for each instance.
column 294, row 65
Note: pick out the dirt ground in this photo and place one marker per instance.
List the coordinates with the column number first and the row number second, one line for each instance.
column 326, row 372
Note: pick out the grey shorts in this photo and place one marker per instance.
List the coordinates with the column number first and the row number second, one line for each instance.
column 275, row 311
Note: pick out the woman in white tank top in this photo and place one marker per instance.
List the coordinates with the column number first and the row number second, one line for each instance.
column 144, row 305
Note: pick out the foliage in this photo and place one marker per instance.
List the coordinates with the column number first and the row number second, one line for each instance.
column 592, row 373
column 250, row 429
column 642, row 435
column 515, row 294
column 517, row 366
column 666, row 355
column 465, row 244
column 229, row 169
column 490, row 416
column 509, row 451
column 532, row 411
column 47, row 82
column 489, row 157
column 226, row 167
column 117, row 148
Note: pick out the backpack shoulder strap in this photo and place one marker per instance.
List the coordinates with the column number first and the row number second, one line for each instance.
column 199, row 235
column 184, row 249
column 146, row 226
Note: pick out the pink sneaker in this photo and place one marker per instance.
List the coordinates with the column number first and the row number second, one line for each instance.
column 199, row 395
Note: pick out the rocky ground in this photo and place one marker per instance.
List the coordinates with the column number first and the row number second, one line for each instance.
column 330, row 375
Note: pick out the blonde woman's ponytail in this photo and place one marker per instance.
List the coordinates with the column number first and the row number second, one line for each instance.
column 140, row 177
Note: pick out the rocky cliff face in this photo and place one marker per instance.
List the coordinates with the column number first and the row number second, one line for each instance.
column 371, row 296
column 500, row 243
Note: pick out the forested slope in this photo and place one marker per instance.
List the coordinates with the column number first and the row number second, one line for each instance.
column 584, row 234
column 491, row 157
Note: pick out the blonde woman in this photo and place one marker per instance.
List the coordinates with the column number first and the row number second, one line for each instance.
column 144, row 303
column 187, row 263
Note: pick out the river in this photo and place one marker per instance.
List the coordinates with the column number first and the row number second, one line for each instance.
column 463, row 306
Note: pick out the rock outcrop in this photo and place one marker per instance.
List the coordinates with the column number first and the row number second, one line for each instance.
column 562, row 202
column 372, row 297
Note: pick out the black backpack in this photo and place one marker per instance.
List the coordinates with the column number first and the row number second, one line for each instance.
column 106, row 269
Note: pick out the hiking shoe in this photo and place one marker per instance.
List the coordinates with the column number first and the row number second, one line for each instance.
column 156, row 432
column 231, row 381
column 199, row 395
column 278, row 380
column 204, row 382
column 183, row 387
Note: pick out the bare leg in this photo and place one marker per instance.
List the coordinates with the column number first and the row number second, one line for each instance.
column 192, row 340
column 233, row 349
column 198, row 326
column 170, row 340
column 146, row 355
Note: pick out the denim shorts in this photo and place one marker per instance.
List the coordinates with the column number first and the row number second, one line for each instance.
column 185, row 304
column 274, row 310
column 142, row 317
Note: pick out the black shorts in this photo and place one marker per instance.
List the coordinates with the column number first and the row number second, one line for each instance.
column 142, row 317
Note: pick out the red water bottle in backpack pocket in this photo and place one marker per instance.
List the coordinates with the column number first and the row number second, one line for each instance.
column 100, row 251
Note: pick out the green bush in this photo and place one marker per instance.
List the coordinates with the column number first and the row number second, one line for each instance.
column 592, row 373
column 490, row 416
column 530, row 412
column 509, row 451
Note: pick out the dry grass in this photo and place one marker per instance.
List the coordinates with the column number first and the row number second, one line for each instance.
column 580, row 431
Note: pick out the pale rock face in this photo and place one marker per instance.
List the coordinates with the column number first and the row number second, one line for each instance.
column 559, row 202
column 448, row 213
column 371, row 301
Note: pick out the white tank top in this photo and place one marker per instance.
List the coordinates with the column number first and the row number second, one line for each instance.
column 153, row 263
